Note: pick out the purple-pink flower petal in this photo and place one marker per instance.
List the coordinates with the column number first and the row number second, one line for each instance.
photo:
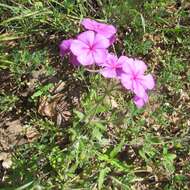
column 88, row 23
column 65, row 46
column 126, row 81
column 140, row 66
column 78, row 47
column 148, row 82
column 129, row 66
column 73, row 60
column 138, row 88
column 100, row 55
column 86, row 59
column 87, row 37
column 108, row 73
column 122, row 60
column 101, row 42
column 112, row 39
column 105, row 29
column 140, row 102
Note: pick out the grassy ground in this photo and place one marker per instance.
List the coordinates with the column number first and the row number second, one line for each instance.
column 77, row 131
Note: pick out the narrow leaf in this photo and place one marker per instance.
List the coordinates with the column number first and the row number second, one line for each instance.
column 117, row 149
column 102, row 175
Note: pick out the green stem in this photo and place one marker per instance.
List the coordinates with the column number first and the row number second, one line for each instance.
column 107, row 92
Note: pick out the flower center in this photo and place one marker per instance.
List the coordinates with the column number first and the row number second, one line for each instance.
column 134, row 77
column 91, row 48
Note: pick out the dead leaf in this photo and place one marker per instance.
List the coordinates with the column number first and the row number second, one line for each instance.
column 59, row 119
column 3, row 156
column 114, row 104
column 11, row 136
column 7, row 163
column 47, row 106
column 55, row 108
column 59, row 87
column 6, row 158
column 15, row 127
column 111, row 101
column 32, row 134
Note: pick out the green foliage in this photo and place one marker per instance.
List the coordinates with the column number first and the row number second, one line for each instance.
column 102, row 175
column 42, row 91
column 7, row 103
column 168, row 160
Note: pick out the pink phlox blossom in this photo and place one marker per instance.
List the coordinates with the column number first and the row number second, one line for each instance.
column 134, row 78
column 90, row 48
column 106, row 30
column 112, row 67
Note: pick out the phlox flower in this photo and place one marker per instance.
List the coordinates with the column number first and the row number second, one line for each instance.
column 64, row 48
column 112, row 67
column 106, row 30
column 90, row 48
column 134, row 78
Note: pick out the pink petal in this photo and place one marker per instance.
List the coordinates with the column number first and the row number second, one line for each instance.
column 100, row 55
column 78, row 47
column 148, row 82
column 128, row 66
column 126, row 81
column 73, row 60
column 140, row 66
column 101, row 42
column 138, row 89
column 122, row 60
column 107, row 30
column 65, row 46
column 108, row 73
column 112, row 39
column 139, row 102
column 111, row 60
column 88, row 23
column 86, row 59
column 87, row 37
column 119, row 72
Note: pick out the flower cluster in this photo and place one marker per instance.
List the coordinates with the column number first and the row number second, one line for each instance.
column 91, row 47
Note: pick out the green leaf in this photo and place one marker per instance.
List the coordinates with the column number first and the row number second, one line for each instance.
column 27, row 15
column 97, row 134
column 168, row 160
column 147, row 152
column 25, row 186
column 114, row 162
column 102, row 176
column 9, row 37
column 117, row 149
column 37, row 94
column 143, row 23
column 42, row 90
column 79, row 114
